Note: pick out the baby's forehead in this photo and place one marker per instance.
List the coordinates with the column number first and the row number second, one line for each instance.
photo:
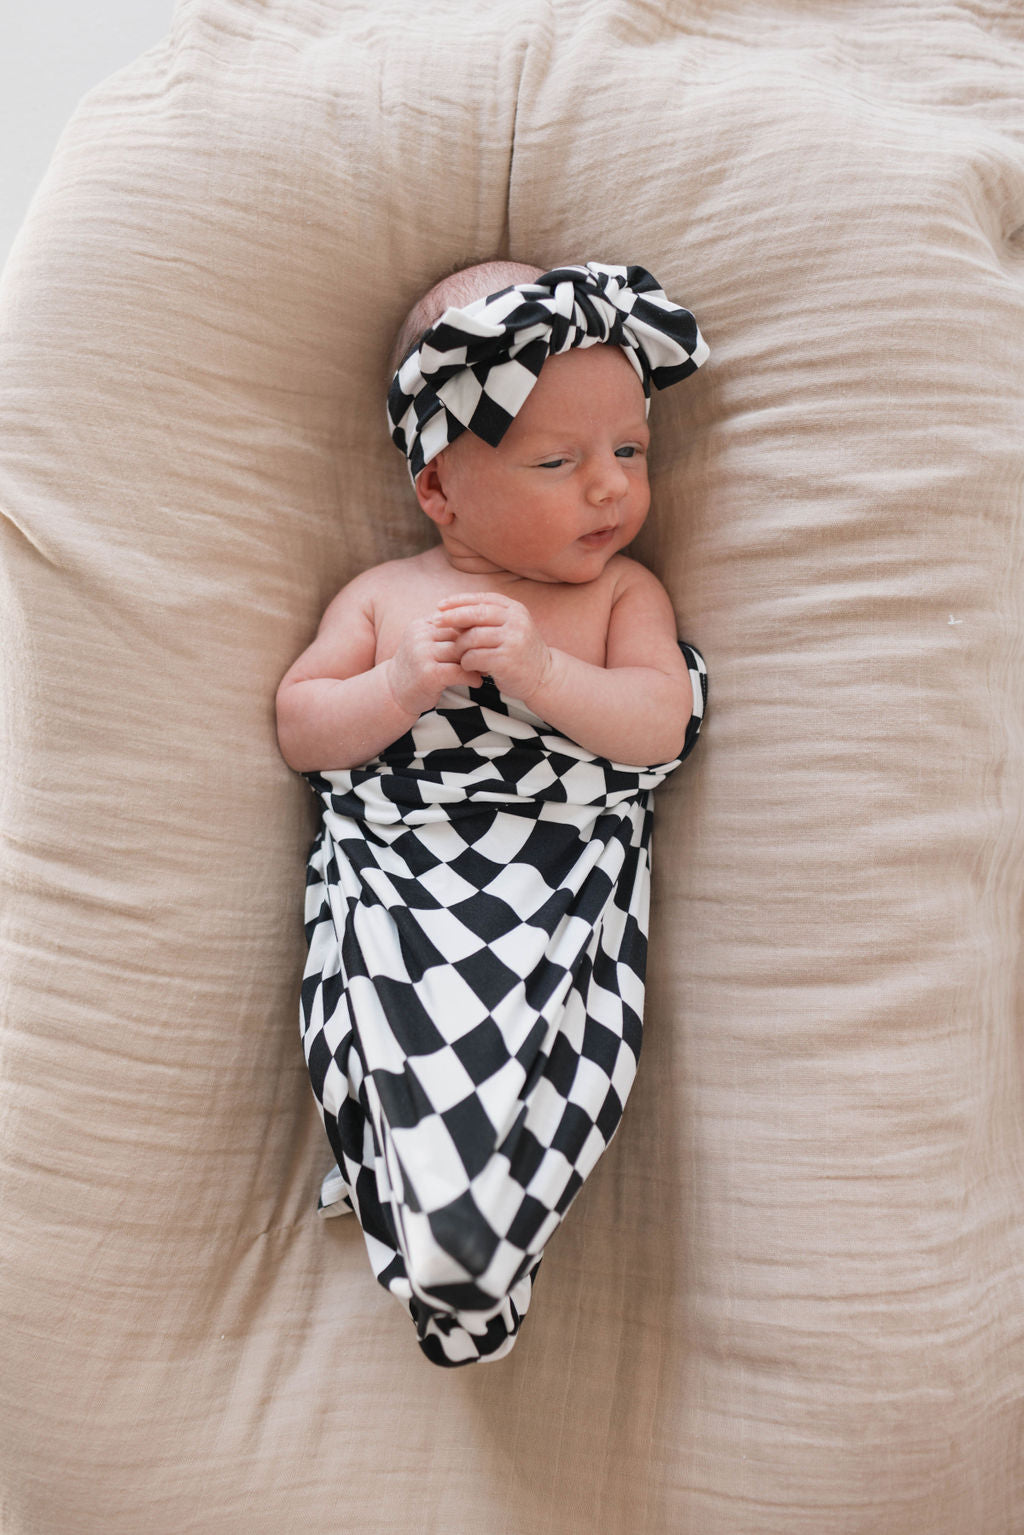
column 579, row 392
column 599, row 377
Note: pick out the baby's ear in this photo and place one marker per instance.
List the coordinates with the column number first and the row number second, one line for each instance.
column 430, row 491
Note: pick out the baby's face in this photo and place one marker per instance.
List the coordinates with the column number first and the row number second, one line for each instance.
column 566, row 488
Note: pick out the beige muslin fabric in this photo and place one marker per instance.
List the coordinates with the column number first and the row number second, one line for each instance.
column 790, row 1300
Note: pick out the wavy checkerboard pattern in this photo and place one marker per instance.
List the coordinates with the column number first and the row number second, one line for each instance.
column 476, row 914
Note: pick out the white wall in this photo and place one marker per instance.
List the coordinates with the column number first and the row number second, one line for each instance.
column 51, row 53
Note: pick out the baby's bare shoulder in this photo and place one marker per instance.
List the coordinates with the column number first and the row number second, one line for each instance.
column 385, row 583
column 390, row 574
column 626, row 574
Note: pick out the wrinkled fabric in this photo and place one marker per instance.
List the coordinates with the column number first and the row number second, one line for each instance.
column 788, row 1301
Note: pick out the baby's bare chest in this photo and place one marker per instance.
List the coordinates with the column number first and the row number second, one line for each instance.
column 573, row 618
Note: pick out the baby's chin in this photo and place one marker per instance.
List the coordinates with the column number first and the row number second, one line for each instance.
column 581, row 575
column 582, row 562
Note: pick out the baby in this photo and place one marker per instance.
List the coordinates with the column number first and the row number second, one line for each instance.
column 480, row 721
column 527, row 585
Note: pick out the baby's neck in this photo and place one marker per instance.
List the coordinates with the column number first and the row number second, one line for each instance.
column 480, row 571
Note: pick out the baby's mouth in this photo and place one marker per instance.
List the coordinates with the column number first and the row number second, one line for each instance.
column 597, row 539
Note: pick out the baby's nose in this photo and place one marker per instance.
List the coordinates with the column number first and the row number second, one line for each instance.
column 608, row 481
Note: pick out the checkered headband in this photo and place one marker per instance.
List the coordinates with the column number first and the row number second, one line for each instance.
column 475, row 367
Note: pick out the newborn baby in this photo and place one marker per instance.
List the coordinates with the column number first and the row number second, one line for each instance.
column 484, row 723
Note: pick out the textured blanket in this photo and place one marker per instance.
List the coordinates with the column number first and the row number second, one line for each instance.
column 471, row 1009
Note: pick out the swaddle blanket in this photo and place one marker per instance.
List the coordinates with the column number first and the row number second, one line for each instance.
column 476, row 915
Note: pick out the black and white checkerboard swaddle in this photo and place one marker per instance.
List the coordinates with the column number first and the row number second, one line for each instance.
column 476, row 913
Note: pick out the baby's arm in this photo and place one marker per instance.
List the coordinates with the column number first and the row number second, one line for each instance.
column 634, row 709
column 337, row 709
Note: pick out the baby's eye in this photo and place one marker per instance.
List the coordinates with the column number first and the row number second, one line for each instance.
column 551, row 463
column 630, row 450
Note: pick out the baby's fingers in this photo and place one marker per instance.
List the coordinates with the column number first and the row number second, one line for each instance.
column 473, row 614
column 469, row 599
column 479, row 637
column 476, row 665
column 468, row 608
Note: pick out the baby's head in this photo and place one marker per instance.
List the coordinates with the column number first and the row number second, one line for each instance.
column 455, row 291
column 519, row 382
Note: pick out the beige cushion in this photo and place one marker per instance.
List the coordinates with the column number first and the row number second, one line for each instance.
column 789, row 1300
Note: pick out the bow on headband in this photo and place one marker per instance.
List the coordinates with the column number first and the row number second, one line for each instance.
column 474, row 368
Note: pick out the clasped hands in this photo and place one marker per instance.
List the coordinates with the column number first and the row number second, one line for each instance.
column 469, row 635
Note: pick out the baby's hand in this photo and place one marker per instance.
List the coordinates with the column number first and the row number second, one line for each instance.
column 426, row 662
column 496, row 635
